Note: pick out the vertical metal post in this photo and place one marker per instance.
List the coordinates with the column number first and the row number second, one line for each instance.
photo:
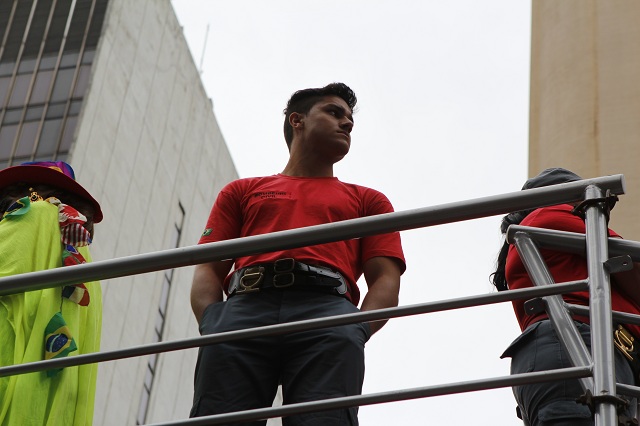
column 562, row 323
column 600, row 309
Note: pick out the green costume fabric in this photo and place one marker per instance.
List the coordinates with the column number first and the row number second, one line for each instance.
column 31, row 242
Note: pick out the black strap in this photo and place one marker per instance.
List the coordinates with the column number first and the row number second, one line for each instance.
column 609, row 201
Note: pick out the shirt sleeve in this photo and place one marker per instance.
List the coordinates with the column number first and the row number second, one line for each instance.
column 387, row 245
column 225, row 219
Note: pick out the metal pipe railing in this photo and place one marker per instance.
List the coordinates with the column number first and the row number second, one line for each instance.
column 604, row 374
column 562, row 323
column 348, row 229
column 572, row 242
column 378, row 398
column 356, row 228
column 273, row 330
column 622, row 317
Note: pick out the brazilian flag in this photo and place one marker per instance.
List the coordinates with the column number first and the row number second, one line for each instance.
column 58, row 341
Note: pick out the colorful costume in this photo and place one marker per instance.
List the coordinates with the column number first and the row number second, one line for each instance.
column 33, row 241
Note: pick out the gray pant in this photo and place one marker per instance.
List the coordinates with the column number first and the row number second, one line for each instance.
column 554, row 403
column 310, row 365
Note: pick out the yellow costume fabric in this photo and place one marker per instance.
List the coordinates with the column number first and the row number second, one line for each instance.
column 31, row 242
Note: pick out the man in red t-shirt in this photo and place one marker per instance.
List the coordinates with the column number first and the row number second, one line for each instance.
column 296, row 284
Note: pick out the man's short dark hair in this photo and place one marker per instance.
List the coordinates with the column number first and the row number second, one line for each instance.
column 303, row 100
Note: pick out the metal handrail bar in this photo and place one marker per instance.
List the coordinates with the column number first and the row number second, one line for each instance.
column 628, row 390
column 573, row 242
column 623, row 317
column 272, row 330
column 562, row 323
column 348, row 229
column 382, row 397
column 601, row 323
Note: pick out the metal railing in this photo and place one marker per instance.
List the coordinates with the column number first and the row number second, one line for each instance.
column 596, row 375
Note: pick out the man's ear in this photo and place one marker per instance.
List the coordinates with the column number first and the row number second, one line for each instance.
column 296, row 120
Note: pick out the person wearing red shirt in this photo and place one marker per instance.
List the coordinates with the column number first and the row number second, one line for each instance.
column 296, row 284
column 538, row 348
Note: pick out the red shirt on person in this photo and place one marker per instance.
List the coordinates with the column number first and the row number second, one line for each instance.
column 562, row 265
column 260, row 205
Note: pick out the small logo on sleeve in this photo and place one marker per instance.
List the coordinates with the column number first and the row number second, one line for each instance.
column 207, row 232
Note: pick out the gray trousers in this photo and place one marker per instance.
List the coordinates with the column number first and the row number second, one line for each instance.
column 310, row 365
column 554, row 403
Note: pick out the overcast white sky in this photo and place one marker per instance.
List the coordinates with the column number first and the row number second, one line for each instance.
column 443, row 89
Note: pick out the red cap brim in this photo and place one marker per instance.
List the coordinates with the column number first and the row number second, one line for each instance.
column 48, row 176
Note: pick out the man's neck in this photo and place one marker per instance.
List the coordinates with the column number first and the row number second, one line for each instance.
column 300, row 169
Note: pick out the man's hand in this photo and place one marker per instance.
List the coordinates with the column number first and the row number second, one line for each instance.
column 206, row 287
column 383, row 279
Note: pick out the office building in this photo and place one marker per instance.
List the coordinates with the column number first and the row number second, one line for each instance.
column 110, row 86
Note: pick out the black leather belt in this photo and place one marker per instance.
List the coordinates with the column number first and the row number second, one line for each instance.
column 287, row 274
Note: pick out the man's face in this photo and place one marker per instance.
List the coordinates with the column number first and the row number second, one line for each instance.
column 327, row 128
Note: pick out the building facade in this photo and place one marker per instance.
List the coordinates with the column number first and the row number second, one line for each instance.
column 111, row 87
column 585, row 95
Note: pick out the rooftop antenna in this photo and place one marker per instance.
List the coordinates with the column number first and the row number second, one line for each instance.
column 204, row 47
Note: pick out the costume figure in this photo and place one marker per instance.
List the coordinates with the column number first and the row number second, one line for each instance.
column 538, row 348
column 46, row 221
column 296, row 284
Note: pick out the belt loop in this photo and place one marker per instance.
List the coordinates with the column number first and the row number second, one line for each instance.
column 284, row 265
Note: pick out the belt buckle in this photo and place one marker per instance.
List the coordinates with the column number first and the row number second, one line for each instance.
column 283, row 275
column 624, row 341
column 251, row 279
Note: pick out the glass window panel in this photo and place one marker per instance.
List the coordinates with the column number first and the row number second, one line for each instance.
column 61, row 156
column 19, row 94
column 175, row 237
column 164, row 296
column 34, row 113
column 27, row 65
column 4, row 87
column 48, row 62
column 82, row 81
column 4, row 164
column 41, row 87
column 7, row 134
column 6, row 68
column 148, row 378
column 159, row 323
column 49, row 137
column 56, row 110
column 27, row 139
column 12, row 116
column 153, row 358
column 87, row 57
column 20, row 160
column 74, row 108
column 142, row 410
column 62, row 85
column 69, row 59
column 168, row 275
column 67, row 136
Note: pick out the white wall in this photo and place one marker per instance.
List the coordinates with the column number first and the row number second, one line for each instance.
column 147, row 139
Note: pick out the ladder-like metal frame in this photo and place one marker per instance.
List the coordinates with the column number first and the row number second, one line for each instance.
column 595, row 371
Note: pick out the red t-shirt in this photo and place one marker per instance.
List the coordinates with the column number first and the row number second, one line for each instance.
column 562, row 265
column 260, row 205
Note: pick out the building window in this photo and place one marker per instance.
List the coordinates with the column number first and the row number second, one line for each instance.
column 159, row 324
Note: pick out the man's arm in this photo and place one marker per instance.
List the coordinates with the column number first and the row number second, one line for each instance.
column 383, row 280
column 206, row 287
